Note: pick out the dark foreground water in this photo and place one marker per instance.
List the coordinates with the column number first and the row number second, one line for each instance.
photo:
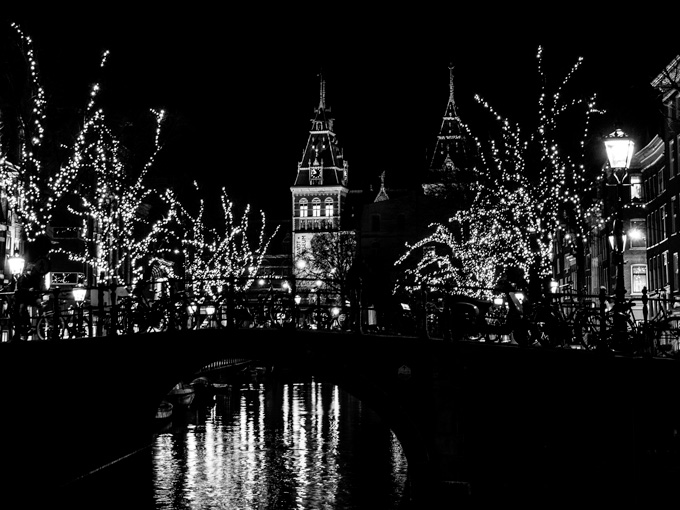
column 274, row 445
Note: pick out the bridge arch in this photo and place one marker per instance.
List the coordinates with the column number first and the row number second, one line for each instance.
column 318, row 357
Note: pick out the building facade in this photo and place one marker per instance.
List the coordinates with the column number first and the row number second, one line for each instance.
column 661, row 183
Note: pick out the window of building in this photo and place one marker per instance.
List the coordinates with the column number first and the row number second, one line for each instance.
column 303, row 208
column 635, row 188
column 672, row 162
column 637, row 235
column 664, row 269
column 660, row 179
column 316, row 208
column 662, row 222
column 677, row 154
column 676, row 281
column 638, row 278
column 329, row 207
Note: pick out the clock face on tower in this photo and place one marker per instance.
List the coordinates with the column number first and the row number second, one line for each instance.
column 315, row 172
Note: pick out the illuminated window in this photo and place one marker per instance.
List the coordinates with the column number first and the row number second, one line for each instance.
column 316, row 208
column 637, row 234
column 329, row 207
column 635, row 187
column 672, row 163
column 303, row 208
column 638, row 278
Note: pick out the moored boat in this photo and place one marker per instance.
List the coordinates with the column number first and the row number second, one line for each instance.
column 182, row 394
column 164, row 410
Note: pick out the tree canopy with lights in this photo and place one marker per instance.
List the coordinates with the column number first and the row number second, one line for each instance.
column 526, row 189
column 224, row 251
column 30, row 171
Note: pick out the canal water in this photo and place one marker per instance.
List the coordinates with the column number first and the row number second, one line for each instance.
column 264, row 446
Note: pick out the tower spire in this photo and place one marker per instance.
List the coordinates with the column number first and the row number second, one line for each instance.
column 451, row 99
column 322, row 92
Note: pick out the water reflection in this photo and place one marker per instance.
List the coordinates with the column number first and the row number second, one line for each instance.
column 296, row 446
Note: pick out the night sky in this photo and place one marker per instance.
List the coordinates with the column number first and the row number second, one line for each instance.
column 241, row 87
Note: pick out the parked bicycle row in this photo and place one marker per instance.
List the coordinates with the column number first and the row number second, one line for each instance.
column 561, row 320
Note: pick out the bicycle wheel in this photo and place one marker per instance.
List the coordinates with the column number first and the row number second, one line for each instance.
column 629, row 340
column 588, row 329
column 668, row 335
column 156, row 319
column 46, row 325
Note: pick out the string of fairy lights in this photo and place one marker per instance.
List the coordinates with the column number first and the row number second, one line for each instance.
column 111, row 195
column 509, row 225
column 513, row 217
column 24, row 191
column 228, row 255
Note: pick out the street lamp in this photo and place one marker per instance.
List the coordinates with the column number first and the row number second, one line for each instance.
column 16, row 264
column 619, row 149
column 79, row 293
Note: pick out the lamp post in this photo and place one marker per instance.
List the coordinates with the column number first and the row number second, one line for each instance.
column 16, row 264
column 619, row 149
column 79, row 297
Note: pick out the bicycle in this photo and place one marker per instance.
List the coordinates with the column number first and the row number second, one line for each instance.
column 72, row 323
column 136, row 314
column 623, row 333
column 564, row 320
column 663, row 329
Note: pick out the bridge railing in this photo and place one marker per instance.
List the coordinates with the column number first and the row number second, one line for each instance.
column 565, row 320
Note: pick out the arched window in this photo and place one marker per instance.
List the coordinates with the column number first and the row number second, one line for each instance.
column 329, row 207
column 303, row 208
column 316, row 207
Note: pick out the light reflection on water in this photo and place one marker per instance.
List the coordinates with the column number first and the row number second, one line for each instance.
column 279, row 446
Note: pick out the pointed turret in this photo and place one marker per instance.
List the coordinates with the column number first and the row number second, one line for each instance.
column 453, row 151
column 322, row 161
column 382, row 194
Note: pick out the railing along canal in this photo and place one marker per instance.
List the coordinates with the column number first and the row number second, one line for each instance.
column 557, row 320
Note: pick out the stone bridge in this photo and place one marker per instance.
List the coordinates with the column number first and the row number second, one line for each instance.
column 480, row 422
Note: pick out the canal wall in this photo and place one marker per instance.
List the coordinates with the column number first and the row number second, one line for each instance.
column 477, row 422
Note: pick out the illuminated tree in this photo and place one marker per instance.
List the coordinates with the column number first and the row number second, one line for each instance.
column 28, row 166
column 113, row 202
column 526, row 189
column 112, row 199
column 91, row 164
column 225, row 252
